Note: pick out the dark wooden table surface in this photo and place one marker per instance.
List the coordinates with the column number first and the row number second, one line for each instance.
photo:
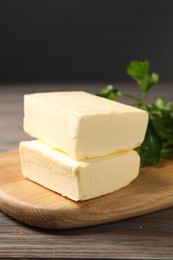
column 144, row 237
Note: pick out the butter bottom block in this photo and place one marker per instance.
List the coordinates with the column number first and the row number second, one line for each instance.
column 77, row 180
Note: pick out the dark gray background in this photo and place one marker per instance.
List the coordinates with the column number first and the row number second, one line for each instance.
column 83, row 40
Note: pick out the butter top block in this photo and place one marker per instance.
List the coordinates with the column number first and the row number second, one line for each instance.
column 83, row 125
column 77, row 180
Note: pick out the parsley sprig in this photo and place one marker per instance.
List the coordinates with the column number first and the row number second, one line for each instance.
column 158, row 142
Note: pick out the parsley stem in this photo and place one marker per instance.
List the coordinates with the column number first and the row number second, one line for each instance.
column 144, row 95
column 142, row 101
column 131, row 97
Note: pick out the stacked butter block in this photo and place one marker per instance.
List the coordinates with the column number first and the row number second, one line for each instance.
column 84, row 146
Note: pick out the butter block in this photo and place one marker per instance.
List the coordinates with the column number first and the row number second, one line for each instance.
column 77, row 180
column 83, row 125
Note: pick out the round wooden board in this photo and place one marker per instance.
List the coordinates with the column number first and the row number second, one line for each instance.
column 35, row 205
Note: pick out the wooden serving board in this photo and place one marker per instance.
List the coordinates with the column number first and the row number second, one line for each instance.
column 32, row 204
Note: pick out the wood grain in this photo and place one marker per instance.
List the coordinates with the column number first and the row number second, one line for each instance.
column 145, row 237
column 34, row 205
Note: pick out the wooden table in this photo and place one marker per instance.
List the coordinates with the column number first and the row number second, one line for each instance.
column 145, row 237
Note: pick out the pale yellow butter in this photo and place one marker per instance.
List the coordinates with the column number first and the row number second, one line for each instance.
column 83, row 125
column 77, row 180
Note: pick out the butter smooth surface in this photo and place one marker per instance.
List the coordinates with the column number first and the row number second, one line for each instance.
column 83, row 125
column 77, row 180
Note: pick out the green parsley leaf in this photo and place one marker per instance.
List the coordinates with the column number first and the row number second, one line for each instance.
column 167, row 150
column 110, row 92
column 153, row 80
column 151, row 147
column 161, row 114
column 139, row 71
